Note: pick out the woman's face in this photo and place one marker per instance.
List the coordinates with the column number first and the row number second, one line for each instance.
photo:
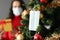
column 16, row 4
column 16, row 8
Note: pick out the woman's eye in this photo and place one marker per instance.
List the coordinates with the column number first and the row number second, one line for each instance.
column 15, row 6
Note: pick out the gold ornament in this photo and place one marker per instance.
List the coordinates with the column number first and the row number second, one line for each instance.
column 19, row 36
column 23, row 14
column 55, row 36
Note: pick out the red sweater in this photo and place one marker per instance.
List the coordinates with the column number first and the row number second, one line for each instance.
column 16, row 22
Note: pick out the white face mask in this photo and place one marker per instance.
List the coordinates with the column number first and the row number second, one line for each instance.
column 17, row 11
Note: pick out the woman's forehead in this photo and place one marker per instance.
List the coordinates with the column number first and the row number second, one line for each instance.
column 16, row 3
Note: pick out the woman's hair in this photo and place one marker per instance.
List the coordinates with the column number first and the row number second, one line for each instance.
column 11, row 15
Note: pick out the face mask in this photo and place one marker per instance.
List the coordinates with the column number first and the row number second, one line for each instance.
column 17, row 11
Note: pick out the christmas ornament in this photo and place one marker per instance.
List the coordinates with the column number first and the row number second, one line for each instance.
column 37, row 36
column 19, row 35
column 50, row 38
column 23, row 14
column 43, row 1
column 54, row 36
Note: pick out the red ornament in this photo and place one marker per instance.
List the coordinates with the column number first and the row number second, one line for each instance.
column 37, row 36
column 43, row 1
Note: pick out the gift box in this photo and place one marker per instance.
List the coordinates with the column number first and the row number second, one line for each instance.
column 6, row 25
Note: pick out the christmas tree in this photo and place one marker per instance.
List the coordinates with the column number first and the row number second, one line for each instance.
column 49, row 18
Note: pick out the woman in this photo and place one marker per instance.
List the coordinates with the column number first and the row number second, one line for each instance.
column 17, row 6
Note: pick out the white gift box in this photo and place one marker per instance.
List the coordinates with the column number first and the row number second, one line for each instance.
column 34, row 20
